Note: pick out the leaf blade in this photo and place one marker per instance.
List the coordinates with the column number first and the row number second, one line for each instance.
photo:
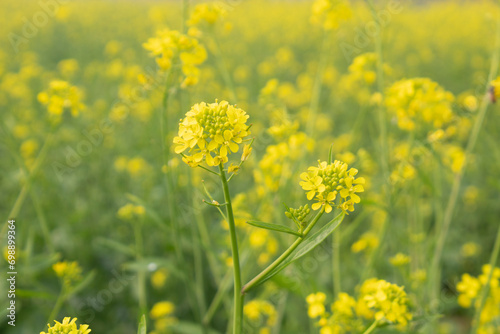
column 274, row 227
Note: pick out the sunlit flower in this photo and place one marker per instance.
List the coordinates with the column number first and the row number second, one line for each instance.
column 211, row 132
column 327, row 181
column 68, row 326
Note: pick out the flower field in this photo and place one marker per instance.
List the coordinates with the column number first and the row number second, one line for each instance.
column 250, row 166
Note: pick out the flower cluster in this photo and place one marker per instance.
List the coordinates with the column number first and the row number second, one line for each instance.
column 470, row 288
column 68, row 326
column 300, row 214
column 361, row 79
column 261, row 313
column 61, row 96
column 69, row 272
column 419, row 104
column 329, row 13
column 210, row 132
column 378, row 300
column 327, row 181
column 387, row 302
column 129, row 211
column 208, row 13
column 162, row 314
column 172, row 47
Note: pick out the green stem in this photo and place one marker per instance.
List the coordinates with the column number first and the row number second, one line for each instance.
column 238, row 295
column 337, row 281
column 141, row 277
column 316, row 93
column 371, row 328
column 486, row 289
column 57, row 306
column 222, row 67
column 457, row 181
column 380, row 87
column 257, row 279
column 24, row 190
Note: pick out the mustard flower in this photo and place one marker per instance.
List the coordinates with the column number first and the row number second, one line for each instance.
column 162, row 314
column 61, row 96
column 210, row 132
column 130, row 211
column 68, row 326
column 208, row 13
column 387, row 301
column 419, row 104
column 262, row 312
column 171, row 46
column 316, row 302
column 330, row 13
column 330, row 182
column 470, row 288
column 69, row 272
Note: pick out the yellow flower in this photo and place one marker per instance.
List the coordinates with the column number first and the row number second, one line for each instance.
column 59, row 97
column 68, row 326
column 162, row 309
column 388, row 301
column 69, row 272
column 329, row 13
column 172, row 47
column 420, row 104
column 210, row 132
column 327, row 181
column 399, row 260
column 130, row 211
column 261, row 311
column 208, row 13
column 316, row 303
column 159, row 278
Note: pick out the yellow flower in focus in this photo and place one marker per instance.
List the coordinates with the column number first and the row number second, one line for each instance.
column 68, row 326
column 316, row 302
column 210, row 132
column 327, row 181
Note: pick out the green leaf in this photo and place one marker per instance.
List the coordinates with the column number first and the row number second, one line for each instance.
column 184, row 327
column 330, row 155
column 115, row 245
column 309, row 243
column 274, row 227
column 142, row 325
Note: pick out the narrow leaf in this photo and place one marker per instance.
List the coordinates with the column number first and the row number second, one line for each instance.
column 309, row 243
column 142, row 325
column 274, row 227
column 330, row 155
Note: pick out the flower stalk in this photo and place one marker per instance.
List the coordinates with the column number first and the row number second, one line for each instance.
column 238, row 295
